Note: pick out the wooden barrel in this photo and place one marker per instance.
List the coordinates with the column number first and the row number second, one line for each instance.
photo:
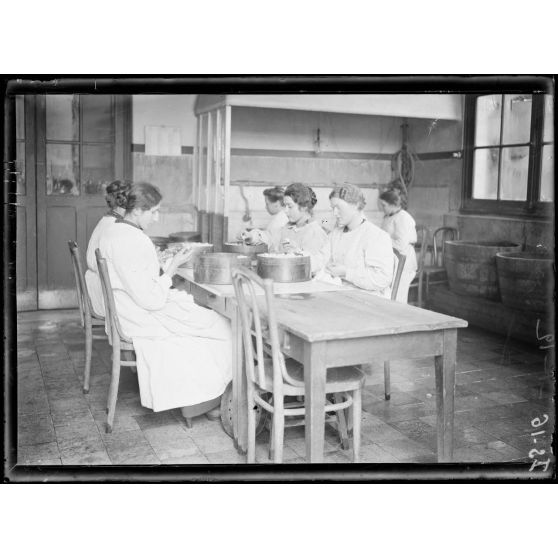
column 526, row 280
column 215, row 267
column 471, row 266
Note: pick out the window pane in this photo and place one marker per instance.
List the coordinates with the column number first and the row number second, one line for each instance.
column 97, row 118
column 62, row 117
column 98, row 169
column 515, row 166
column 20, row 167
column 548, row 118
column 547, row 175
column 517, row 118
column 487, row 128
column 20, row 118
column 485, row 174
column 62, row 169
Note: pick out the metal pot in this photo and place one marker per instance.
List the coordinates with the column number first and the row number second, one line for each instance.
column 215, row 267
column 198, row 248
column 161, row 242
column 185, row 236
column 250, row 250
column 284, row 269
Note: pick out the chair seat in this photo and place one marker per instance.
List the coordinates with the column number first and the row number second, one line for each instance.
column 345, row 378
column 432, row 269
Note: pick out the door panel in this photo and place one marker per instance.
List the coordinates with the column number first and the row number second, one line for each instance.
column 26, row 216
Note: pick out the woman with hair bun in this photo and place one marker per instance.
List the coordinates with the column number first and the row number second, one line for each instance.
column 116, row 196
column 183, row 351
column 361, row 252
column 302, row 233
column 401, row 228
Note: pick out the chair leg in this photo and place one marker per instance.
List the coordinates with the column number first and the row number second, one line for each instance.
column 130, row 355
column 271, row 439
column 188, row 421
column 113, row 389
column 357, row 417
column 251, row 453
column 420, row 282
column 278, row 433
column 88, row 351
column 387, row 386
column 342, row 423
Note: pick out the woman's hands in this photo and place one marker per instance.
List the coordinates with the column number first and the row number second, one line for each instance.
column 288, row 247
column 337, row 270
column 179, row 259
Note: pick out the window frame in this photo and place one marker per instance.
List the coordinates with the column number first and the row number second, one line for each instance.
column 531, row 207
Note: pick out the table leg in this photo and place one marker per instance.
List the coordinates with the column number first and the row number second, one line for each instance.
column 314, row 399
column 445, row 394
column 240, row 426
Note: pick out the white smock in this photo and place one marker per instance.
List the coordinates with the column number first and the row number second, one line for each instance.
column 401, row 228
column 183, row 351
column 367, row 255
column 309, row 238
column 92, row 279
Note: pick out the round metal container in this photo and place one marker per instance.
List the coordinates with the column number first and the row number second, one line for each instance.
column 185, row 236
column 284, row 269
column 198, row 248
column 215, row 268
column 245, row 249
column 161, row 242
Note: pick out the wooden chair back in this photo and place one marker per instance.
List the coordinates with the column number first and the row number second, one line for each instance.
column 401, row 258
column 439, row 238
column 423, row 238
column 84, row 301
column 260, row 334
column 114, row 329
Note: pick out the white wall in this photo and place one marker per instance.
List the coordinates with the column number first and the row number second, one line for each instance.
column 164, row 110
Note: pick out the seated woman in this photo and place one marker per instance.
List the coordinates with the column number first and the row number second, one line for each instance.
column 116, row 197
column 274, row 206
column 402, row 230
column 302, row 233
column 183, row 351
column 361, row 252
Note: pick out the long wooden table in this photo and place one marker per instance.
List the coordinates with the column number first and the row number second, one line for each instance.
column 322, row 328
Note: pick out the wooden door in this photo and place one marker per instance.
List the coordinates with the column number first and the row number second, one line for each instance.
column 80, row 148
column 26, row 216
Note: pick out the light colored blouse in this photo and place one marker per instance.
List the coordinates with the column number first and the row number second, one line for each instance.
column 401, row 228
column 309, row 238
column 367, row 254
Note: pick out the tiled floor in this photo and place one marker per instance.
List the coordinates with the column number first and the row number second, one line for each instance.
column 501, row 388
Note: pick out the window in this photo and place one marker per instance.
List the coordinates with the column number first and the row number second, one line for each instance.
column 509, row 154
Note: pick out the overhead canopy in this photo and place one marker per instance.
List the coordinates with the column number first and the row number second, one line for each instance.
column 442, row 107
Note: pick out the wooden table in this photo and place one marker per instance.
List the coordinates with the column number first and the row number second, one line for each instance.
column 346, row 327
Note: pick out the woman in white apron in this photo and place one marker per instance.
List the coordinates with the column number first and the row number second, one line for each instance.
column 402, row 230
column 302, row 233
column 361, row 252
column 116, row 198
column 183, row 351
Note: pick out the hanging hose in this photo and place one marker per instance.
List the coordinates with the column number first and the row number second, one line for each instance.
column 403, row 166
column 247, row 217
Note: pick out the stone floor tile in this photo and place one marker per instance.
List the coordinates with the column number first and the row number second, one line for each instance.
column 156, row 420
column 262, row 453
column 194, row 459
column 478, row 453
column 76, row 429
column 35, row 429
column 214, row 443
column 380, row 433
column 169, row 444
column 130, row 448
column 339, row 456
column 405, row 448
column 72, row 405
column 39, row 454
column 225, row 457
column 69, row 415
column 373, row 453
column 121, row 423
column 503, row 397
column 298, row 445
column 469, row 435
column 84, row 451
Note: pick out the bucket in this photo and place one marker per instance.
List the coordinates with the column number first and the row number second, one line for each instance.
column 471, row 266
column 526, row 280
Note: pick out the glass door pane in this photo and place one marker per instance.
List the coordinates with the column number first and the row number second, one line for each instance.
column 489, row 116
column 62, row 117
column 547, row 174
column 517, row 118
column 548, row 134
column 97, row 169
column 97, row 123
column 62, row 169
column 485, row 174
column 515, row 168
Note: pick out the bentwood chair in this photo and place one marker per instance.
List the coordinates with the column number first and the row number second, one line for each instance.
column 435, row 273
column 394, row 289
column 423, row 235
column 92, row 323
column 271, row 380
column 122, row 348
